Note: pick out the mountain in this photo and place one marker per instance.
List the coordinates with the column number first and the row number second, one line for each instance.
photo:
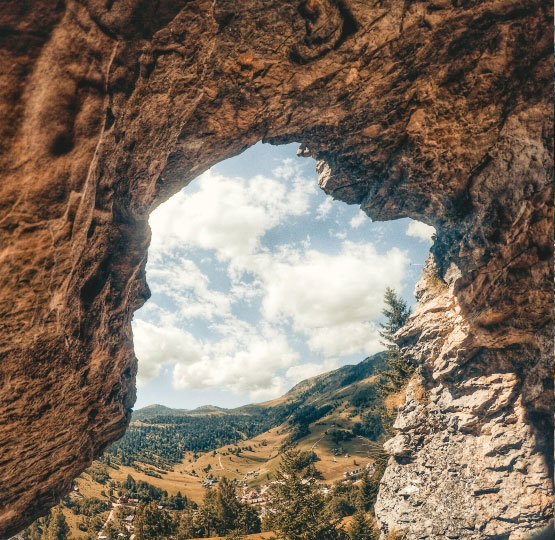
column 154, row 411
column 161, row 436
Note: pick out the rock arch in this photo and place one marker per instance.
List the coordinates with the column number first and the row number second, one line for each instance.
column 434, row 109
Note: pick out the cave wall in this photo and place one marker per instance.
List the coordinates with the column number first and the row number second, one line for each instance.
column 441, row 110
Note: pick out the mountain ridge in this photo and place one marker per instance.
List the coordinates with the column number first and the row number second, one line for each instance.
column 336, row 377
column 160, row 436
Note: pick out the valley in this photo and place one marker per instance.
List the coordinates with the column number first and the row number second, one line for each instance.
column 331, row 417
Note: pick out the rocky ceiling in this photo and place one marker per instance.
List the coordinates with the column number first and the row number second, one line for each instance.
column 441, row 110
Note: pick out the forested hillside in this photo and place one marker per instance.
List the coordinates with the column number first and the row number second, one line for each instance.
column 161, row 436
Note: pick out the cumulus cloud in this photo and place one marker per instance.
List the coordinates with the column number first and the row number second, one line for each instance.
column 329, row 300
column 243, row 360
column 229, row 215
column 358, row 220
column 324, row 209
column 420, row 230
column 251, row 368
column 189, row 288
column 157, row 346
column 324, row 293
column 346, row 339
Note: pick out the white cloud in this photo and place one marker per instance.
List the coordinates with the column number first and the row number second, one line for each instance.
column 332, row 300
column 358, row 220
column 288, row 169
column 252, row 367
column 156, row 346
column 341, row 235
column 324, row 209
column 243, row 360
column 420, row 230
column 324, row 293
column 346, row 339
column 229, row 215
column 181, row 280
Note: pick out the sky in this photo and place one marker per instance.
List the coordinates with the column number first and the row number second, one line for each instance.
column 260, row 280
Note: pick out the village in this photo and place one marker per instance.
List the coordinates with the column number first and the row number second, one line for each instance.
column 257, row 497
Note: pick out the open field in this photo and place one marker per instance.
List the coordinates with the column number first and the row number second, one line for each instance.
column 254, row 467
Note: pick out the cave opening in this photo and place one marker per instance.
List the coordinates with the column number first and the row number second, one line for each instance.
column 259, row 281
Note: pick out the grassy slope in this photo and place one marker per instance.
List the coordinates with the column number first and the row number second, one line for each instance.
column 265, row 457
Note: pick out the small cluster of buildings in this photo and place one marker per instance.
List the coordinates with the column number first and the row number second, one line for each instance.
column 127, row 501
column 255, row 496
column 209, row 482
column 357, row 472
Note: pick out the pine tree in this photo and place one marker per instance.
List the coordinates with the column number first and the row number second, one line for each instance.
column 396, row 313
column 206, row 520
column 185, row 526
column 227, row 506
column 368, row 491
column 179, row 501
column 58, row 529
column 248, row 521
column 297, row 509
column 130, row 484
column 151, row 522
column 361, row 529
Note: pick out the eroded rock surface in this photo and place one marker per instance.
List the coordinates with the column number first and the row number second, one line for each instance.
column 438, row 110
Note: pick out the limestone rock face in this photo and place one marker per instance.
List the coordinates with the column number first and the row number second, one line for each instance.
column 469, row 456
column 438, row 110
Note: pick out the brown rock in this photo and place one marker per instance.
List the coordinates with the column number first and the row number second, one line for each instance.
column 109, row 108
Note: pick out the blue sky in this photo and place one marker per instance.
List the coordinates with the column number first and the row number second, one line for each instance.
column 260, row 280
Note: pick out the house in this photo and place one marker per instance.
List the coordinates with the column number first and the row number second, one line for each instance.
column 255, row 497
column 356, row 472
column 129, row 519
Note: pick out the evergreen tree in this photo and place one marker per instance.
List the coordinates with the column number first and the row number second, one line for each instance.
column 130, row 484
column 179, row 502
column 221, row 513
column 396, row 313
column 297, row 509
column 368, row 491
column 58, row 529
column 227, row 506
column 185, row 527
column 248, row 521
column 361, row 529
column 206, row 520
column 151, row 522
